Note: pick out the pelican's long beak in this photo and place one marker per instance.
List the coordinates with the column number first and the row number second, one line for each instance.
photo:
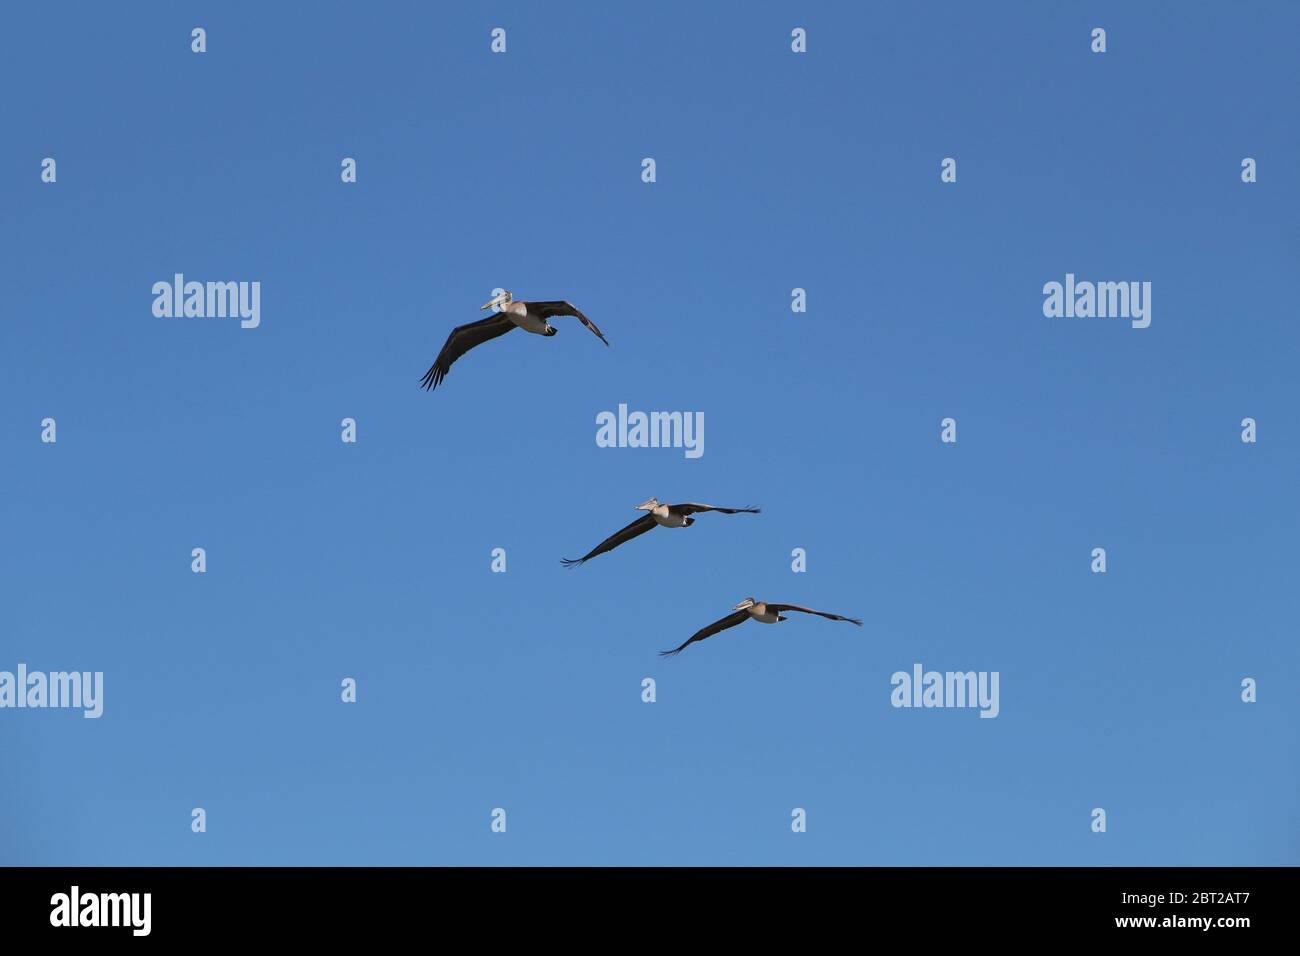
column 648, row 505
column 743, row 605
column 489, row 305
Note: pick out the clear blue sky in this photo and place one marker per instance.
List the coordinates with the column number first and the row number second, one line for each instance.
column 522, row 690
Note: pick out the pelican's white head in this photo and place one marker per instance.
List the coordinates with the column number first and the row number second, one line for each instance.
column 745, row 605
column 500, row 302
column 649, row 505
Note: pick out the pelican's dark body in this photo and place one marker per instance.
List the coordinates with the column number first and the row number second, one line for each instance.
column 658, row 516
column 529, row 316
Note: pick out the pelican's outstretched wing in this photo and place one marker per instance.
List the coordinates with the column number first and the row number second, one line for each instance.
column 807, row 610
column 462, row 339
column 548, row 310
column 640, row 526
column 692, row 507
column 731, row 620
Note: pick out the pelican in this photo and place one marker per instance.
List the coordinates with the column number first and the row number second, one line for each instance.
column 529, row 316
column 760, row 611
column 659, row 515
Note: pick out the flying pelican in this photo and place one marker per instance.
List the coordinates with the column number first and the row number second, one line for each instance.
column 669, row 516
column 529, row 316
column 760, row 611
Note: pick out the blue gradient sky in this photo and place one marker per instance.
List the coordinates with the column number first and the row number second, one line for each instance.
column 522, row 690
